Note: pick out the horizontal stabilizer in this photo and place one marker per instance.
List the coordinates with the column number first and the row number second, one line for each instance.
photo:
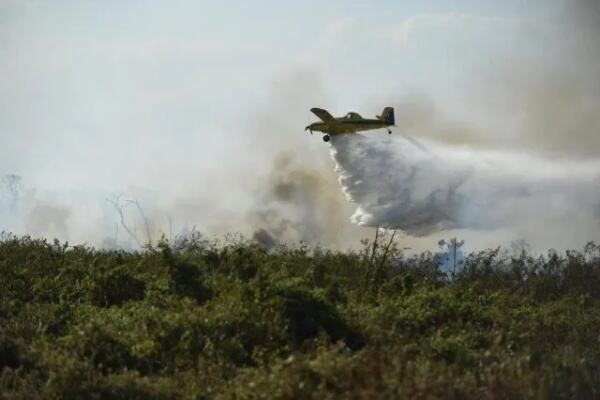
column 323, row 114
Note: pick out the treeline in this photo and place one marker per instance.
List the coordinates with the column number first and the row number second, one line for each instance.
column 207, row 319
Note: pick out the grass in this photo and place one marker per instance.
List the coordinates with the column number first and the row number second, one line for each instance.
column 204, row 319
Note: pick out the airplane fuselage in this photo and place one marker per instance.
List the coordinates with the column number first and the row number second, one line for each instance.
column 351, row 123
column 343, row 126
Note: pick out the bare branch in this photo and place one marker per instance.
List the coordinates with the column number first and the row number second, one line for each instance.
column 146, row 224
column 116, row 203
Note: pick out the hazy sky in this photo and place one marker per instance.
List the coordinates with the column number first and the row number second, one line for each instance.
column 188, row 103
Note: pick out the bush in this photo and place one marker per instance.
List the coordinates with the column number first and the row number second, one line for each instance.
column 206, row 320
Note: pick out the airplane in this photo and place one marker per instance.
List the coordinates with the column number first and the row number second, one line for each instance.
column 350, row 123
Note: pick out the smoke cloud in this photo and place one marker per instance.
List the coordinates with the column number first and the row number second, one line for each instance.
column 48, row 219
column 296, row 202
column 143, row 113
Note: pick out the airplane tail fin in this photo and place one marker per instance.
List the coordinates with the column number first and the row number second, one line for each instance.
column 387, row 116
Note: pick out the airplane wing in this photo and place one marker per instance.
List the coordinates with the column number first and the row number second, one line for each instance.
column 323, row 114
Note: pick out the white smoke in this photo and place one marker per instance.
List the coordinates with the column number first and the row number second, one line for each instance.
column 421, row 188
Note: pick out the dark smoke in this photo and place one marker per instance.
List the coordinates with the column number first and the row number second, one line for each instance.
column 264, row 239
column 298, row 203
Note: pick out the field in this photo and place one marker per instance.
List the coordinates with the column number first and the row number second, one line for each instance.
column 227, row 319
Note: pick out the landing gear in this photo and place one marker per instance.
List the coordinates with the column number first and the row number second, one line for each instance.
column 389, row 131
column 326, row 138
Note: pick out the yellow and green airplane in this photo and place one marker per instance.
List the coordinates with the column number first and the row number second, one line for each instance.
column 351, row 123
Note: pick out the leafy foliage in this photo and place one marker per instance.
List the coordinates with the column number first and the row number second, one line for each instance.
column 203, row 319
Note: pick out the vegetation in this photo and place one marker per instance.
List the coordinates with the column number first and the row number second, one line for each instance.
column 203, row 319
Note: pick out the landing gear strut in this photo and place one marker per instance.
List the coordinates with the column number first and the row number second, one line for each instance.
column 326, row 138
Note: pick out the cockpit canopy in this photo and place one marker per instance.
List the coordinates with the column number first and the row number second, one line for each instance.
column 353, row 115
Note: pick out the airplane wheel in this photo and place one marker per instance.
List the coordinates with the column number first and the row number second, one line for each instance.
column 326, row 138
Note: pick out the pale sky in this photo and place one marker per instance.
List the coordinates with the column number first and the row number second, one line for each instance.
column 195, row 99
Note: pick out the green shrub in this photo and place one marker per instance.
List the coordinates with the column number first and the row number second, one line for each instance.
column 204, row 319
